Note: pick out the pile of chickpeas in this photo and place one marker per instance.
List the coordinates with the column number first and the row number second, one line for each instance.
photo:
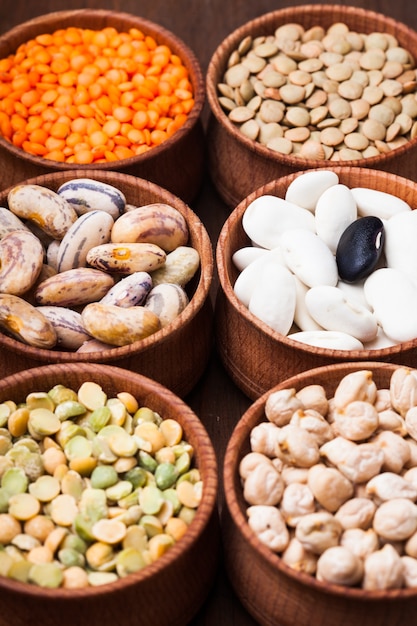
column 331, row 483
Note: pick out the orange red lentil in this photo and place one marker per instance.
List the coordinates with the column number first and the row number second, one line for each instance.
column 83, row 96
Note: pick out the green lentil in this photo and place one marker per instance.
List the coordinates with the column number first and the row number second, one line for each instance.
column 88, row 485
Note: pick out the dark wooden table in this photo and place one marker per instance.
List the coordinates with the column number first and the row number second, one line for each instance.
column 202, row 25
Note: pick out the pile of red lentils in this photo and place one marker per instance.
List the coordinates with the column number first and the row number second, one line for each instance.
column 83, row 96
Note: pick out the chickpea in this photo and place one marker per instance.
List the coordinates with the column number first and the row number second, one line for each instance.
column 250, row 461
column 411, row 422
column 269, row 526
column 383, row 400
column 383, row 569
column 360, row 542
column 314, row 397
column 263, row 485
column 339, row 566
column 356, row 386
column 396, row 450
column 297, row 500
column 391, row 420
column 412, row 461
column 264, row 438
column 356, row 513
column 409, row 571
column 357, row 421
column 403, row 389
column 299, row 558
column 396, row 519
column 362, row 463
column 337, row 449
column 314, row 423
column 330, row 488
column 297, row 446
column 410, row 475
column 388, row 485
column 280, row 405
column 291, row 474
column 318, row 531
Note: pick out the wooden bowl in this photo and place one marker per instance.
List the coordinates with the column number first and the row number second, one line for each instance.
column 269, row 589
column 239, row 165
column 170, row 590
column 175, row 356
column 177, row 164
column 255, row 356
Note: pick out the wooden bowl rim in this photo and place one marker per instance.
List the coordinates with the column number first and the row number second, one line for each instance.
column 207, row 462
column 50, row 21
column 242, row 310
column 191, row 310
column 217, row 66
column 254, row 415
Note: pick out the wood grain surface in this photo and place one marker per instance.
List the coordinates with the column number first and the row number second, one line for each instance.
column 203, row 24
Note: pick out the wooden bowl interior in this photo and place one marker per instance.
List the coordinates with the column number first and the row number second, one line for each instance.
column 232, row 237
column 97, row 19
column 239, row 445
column 168, row 405
column 138, row 192
column 309, row 15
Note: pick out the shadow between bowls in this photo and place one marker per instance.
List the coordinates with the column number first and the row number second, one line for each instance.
column 257, row 357
column 175, row 356
column 169, row 591
column 272, row 592
column 177, row 164
column 239, row 165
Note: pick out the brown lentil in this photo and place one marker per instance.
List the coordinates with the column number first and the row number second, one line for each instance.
column 335, row 74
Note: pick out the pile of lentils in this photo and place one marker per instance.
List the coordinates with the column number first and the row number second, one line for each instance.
column 321, row 94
